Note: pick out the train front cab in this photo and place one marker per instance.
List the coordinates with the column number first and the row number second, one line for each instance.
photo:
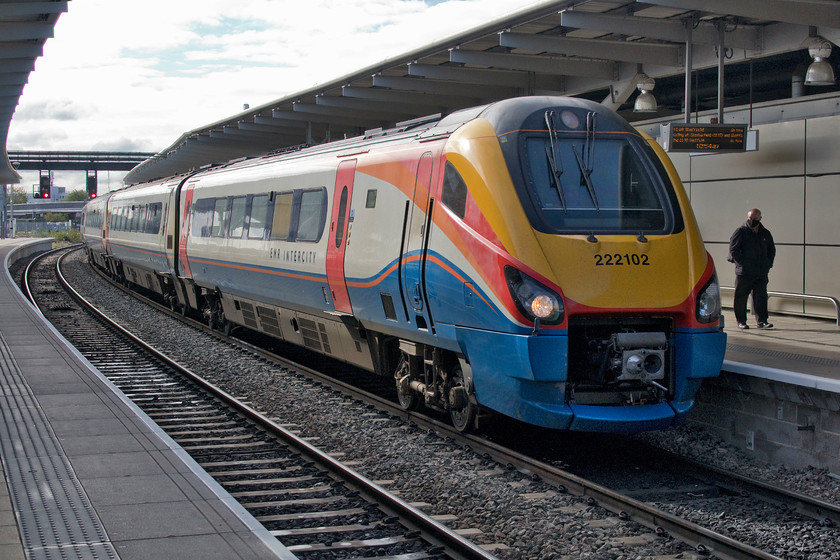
column 553, row 378
column 635, row 339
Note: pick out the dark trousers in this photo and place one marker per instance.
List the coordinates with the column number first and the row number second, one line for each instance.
column 743, row 286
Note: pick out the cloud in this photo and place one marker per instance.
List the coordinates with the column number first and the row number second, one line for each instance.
column 58, row 109
column 133, row 76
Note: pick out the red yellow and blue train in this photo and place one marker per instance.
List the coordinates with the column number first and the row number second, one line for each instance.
column 536, row 257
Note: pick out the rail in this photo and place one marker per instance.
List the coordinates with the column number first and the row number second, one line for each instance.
column 804, row 297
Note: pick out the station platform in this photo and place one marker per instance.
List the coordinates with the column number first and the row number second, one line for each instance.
column 799, row 351
column 86, row 474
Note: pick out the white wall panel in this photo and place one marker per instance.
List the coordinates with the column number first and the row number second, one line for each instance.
column 822, row 148
column 822, row 204
column 786, row 274
column 682, row 163
column 781, row 151
column 721, row 207
column 822, row 272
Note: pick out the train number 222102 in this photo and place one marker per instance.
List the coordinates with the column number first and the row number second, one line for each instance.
column 618, row 259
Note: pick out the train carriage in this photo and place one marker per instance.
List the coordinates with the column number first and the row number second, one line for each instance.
column 140, row 235
column 536, row 257
column 93, row 229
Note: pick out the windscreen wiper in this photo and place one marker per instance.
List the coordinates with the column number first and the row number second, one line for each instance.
column 553, row 157
column 588, row 165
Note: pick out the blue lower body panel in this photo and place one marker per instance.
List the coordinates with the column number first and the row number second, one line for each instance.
column 622, row 419
column 524, row 376
column 520, row 376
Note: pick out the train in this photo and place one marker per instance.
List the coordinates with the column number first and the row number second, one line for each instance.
column 536, row 257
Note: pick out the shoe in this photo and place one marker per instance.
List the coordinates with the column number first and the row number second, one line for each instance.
column 744, row 326
column 765, row 325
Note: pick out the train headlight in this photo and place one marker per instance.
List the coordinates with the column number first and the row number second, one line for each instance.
column 708, row 301
column 533, row 299
column 543, row 306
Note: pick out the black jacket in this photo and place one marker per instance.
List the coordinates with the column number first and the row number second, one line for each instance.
column 752, row 252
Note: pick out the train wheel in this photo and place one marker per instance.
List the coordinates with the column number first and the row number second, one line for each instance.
column 461, row 409
column 409, row 399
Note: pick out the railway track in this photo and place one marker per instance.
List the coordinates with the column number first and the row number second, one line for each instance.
column 704, row 540
column 316, row 506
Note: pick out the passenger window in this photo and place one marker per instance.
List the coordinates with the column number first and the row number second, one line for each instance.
column 132, row 212
column 312, row 214
column 454, row 195
column 342, row 211
column 155, row 214
column 281, row 224
column 219, row 215
column 139, row 219
column 202, row 219
column 237, row 217
column 259, row 213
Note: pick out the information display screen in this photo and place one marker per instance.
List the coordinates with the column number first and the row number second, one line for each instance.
column 705, row 137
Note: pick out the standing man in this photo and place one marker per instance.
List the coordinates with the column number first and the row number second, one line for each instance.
column 752, row 250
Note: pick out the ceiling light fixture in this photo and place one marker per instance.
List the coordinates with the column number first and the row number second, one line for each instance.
column 645, row 101
column 820, row 72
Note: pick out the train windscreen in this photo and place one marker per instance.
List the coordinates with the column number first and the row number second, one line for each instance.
column 594, row 183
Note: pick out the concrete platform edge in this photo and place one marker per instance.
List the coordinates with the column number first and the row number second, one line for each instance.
column 783, row 376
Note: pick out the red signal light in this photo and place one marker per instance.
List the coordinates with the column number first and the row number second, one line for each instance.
column 92, row 196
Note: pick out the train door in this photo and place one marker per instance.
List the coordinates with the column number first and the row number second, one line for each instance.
column 183, row 234
column 415, row 233
column 340, row 217
column 105, row 226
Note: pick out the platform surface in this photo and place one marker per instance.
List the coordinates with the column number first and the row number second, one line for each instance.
column 86, row 473
column 798, row 350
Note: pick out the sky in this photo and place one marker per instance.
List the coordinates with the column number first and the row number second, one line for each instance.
column 129, row 75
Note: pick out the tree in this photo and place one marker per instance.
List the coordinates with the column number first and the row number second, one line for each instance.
column 55, row 217
column 18, row 194
column 75, row 196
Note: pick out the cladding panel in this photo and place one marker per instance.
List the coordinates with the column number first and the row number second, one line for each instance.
column 822, row 200
column 822, row 149
column 781, row 153
column 722, row 206
column 822, row 270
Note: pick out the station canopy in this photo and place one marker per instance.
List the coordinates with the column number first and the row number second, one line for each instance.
column 603, row 50
column 24, row 27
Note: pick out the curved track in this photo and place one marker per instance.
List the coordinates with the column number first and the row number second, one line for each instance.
column 299, row 493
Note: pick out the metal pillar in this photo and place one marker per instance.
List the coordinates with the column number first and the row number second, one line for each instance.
column 721, row 56
column 689, row 23
column 3, row 192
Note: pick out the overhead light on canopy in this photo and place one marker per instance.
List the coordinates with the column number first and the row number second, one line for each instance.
column 645, row 101
column 820, row 72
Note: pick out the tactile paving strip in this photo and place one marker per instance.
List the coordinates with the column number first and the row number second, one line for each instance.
column 54, row 515
column 816, row 360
